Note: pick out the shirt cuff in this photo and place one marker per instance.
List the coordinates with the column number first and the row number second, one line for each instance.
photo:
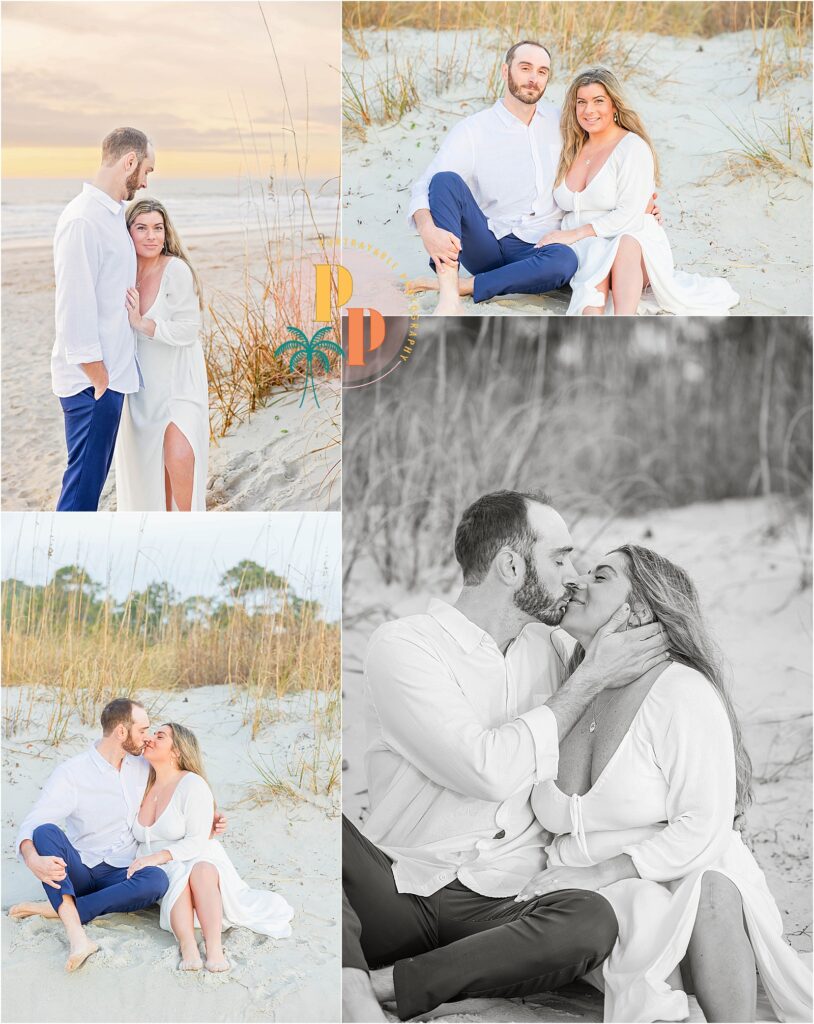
column 542, row 724
column 420, row 202
column 22, row 835
column 87, row 355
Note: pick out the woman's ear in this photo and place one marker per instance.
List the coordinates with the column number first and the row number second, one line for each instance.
column 640, row 614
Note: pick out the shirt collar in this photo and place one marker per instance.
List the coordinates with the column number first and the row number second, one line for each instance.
column 92, row 192
column 507, row 117
column 460, row 628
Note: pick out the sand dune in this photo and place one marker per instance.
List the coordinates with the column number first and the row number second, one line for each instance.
column 289, row 847
column 753, row 229
column 746, row 557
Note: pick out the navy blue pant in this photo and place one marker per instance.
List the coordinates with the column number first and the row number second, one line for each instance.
column 99, row 890
column 90, row 433
column 504, row 266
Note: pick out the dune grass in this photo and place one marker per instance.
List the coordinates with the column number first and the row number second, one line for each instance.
column 609, row 418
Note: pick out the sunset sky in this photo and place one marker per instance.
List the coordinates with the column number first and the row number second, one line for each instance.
column 194, row 76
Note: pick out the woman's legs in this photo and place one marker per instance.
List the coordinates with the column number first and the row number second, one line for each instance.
column 182, row 922
column 204, row 882
column 627, row 277
column 604, row 287
column 179, row 464
column 720, row 955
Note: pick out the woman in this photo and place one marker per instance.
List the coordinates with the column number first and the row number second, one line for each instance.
column 605, row 179
column 643, row 809
column 173, row 829
column 163, row 439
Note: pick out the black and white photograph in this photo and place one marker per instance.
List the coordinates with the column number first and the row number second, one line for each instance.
column 577, row 674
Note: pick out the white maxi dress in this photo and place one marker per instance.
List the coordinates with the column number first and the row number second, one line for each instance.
column 667, row 798
column 175, row 391
column 613, row 202
column 184, row 828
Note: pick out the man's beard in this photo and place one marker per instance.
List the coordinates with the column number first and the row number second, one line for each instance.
column 536, row 600
column 131, row 184
column 131, row 747
column 515, row 90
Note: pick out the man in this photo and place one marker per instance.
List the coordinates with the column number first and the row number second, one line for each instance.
column 464, row 716
column 486, row 200
column 93, row 362
column 97, row 794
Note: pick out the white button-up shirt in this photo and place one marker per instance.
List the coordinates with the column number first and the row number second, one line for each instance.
column 97, row 804
column 509, row 167
column 457, row 737
column 94, row 265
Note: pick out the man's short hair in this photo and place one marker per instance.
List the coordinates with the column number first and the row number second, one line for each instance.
column 118, row 712
column 124, row 140
column 523, row 42
column 492, row 522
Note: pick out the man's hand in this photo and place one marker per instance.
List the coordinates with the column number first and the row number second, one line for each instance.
column 98, row 376
column 218, row 826
column 654, row 209
column 442, row 246
column 50, row 870
column 620, row 657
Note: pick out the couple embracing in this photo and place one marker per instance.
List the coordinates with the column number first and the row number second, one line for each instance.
column 140, row 828
column 529, row 199
column 127, row 364
column 556, row 778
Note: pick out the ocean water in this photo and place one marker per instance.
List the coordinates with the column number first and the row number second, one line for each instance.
column 30, row 207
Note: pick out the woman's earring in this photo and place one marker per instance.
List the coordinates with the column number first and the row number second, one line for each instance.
column 616, row 118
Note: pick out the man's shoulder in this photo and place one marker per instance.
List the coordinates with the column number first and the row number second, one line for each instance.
column 408, row 627
column 77, row 215
column 69, row 768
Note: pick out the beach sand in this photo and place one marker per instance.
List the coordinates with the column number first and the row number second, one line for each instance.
column 283, row 457
column 290, row 847
column 746, row 557
column 753, row 229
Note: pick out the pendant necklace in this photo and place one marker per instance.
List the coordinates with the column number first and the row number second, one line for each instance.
column 595, row 716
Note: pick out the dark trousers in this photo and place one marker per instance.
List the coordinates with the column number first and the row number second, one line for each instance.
column 500, row 266
column 90, row 434
column 99, row 890
column 457, row 944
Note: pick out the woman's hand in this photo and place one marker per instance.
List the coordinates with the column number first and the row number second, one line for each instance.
column 132, row 303
column 218, row 825
column 143, row 862
column 565, row 237
column 555, row 879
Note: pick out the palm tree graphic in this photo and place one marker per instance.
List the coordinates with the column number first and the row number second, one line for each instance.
column 301, row 347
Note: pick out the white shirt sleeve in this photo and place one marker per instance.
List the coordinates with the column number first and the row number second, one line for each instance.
column 457, row 153
column 57, row 802
column 692, row 743
column 182, row 325
column 635, row 183
column 198, row 808
column 76, row 267
column 425, row 717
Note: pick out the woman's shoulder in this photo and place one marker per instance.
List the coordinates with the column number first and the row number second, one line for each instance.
column 179, row 269
column 633, row 147
column 684, row 691
column 194, row 784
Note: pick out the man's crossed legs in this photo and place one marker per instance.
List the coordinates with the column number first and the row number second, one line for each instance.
column 86, row 893
column 457, row 944
column 502, row 266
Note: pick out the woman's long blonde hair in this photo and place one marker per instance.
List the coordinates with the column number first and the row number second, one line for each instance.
column 172, row 243
column 574, row 137
column 185, row 745
column 669, row 593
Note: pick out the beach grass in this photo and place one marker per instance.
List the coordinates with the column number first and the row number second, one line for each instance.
column 610, row 422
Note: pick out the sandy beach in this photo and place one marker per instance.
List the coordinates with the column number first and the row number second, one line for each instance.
column 276, row 843
column 723, row 218
column 745, row 556
column 282, row 457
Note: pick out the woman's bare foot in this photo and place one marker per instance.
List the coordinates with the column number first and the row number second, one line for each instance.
column 79, row 954
column 422, row 284
column 219, row 966
column 190, row 957
column 23, row 910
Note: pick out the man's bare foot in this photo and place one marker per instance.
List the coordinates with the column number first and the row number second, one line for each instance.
column 422, row 284
column 79, row 954
column 449, row 306
column 190, row 957
column 382, row 982
column 22, row 910
column 358, row 1000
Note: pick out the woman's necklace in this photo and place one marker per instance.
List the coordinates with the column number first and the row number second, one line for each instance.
column 145, row 275
column 596, row 714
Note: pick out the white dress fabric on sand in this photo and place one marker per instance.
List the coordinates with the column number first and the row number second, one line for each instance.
column 184, row 828
column 175, row 391
column 614, row 202
column 667, row 798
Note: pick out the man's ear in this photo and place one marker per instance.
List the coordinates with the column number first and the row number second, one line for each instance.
column 509, row 566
